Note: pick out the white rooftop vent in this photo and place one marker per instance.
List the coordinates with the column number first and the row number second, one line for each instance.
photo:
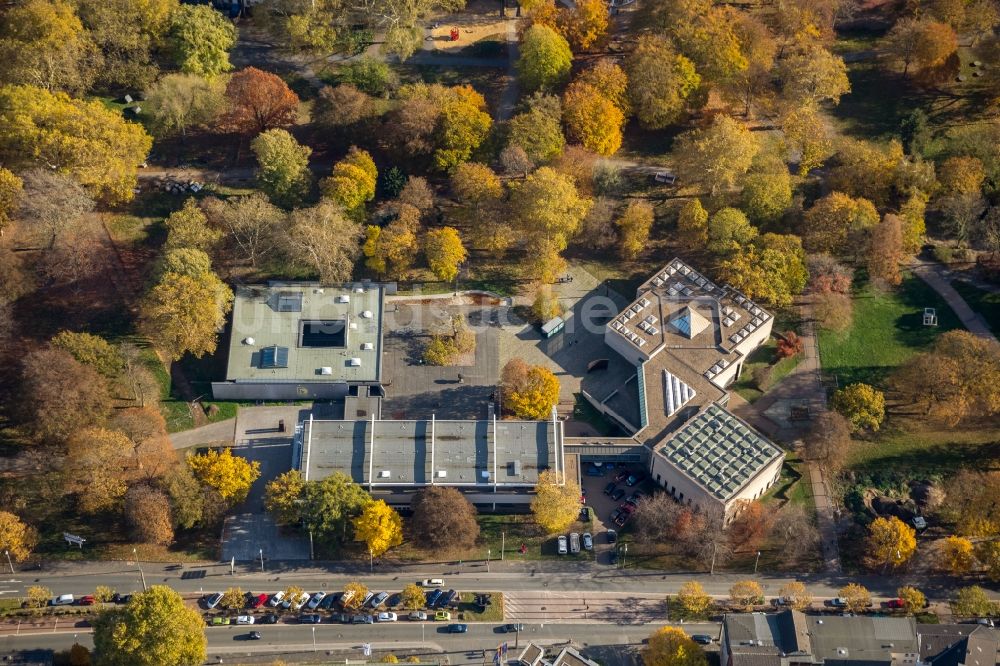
column 354, row 325
column 442, row 473
column 367, row 314
column 326, row 370
column 359, row 290
column 485, row 474
column 367, row 346
column 248, row 341
column 317, row 291
column 344, row 298
column 384, row 474
column 354, row 362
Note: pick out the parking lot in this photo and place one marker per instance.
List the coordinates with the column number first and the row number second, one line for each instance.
column 603, row 506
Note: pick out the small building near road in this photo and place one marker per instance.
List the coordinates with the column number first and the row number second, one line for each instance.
column 303, row 341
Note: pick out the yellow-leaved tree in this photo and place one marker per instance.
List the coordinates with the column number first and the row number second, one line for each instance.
column 354, row 594
column 17, row 538
column 556, row 505
column 913, row 599
column 413, row 597
column 670, row 646
column 856, row 597
column 184, row 313
column 352, row 182
column 379, row 526
column 891, row 542
column 529, row 391
column 592, row 119
column 957, row 555
column 230, row 476
column 794, row 595
column 746, row 594
column 693, row 599
column 445, row 252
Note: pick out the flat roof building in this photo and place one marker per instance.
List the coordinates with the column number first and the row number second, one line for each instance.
column 301, row 341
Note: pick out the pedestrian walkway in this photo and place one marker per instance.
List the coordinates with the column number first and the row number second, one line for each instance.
column 213, row 433
column 936, row 277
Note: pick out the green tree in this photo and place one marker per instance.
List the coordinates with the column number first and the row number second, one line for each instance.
column 90, row 349
column 330, row 504
column 230, row 476
column 729, row 230
column 773, row 274
column 201, row 38
column 184, row 314
column 692, row 225
column 538, row 130
column 16, row 537
column 177, row 102
column 891, row 542
column 693, row 599
column 188, row 227
column 283, row 171
column 717, row 155
column 379, row 526
column 545, row 58
column 445, row 252
column 530, row 392
column 283, row 497
column 43, row 43
column 670, row 646
column 592, row 119
column 634, row 226
column 861, row 404
column 767, row 195
column 972, row 601
column 82, row 139
column 370, row 75
column 661, row 82
column 156, row 627
column 556, row 504
column 352, row 182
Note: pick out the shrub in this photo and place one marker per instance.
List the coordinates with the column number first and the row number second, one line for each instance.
column 944, row 254
column 763, row 377
column 369, row 75
column 789, row 344
column 833, row 311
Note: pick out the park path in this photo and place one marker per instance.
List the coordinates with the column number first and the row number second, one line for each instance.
column 936, row 278
column 220, row 431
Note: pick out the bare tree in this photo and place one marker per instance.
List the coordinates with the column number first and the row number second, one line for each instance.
column 323, row 239
column 250, row 222
column 795, row 532
column 51, row 205
column 829, row 440
column 655, row 518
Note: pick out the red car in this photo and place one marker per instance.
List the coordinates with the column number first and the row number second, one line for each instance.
column 258, row 601
column 86, row 600
column 894, row 603
column 627, row 508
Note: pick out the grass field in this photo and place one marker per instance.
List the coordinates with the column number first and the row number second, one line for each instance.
column 986, row 303
column 468, row 611
column 928, row 451
column 887, row 330
column 761, row 357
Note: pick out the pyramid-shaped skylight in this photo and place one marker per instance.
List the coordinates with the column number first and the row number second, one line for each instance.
column 688, row 322
column 676, row 393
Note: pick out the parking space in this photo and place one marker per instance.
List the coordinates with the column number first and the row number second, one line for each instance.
column 595, row 479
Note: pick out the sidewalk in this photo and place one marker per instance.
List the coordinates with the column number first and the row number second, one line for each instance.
column 936, row 277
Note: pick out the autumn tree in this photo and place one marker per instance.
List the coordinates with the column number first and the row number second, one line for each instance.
column 231, row 476
column 178, row 102
column 147, row 511
column 795, row 596
column 867, row 169
column 585, row 24
column 796, row 532
column 283, row 497
column 671, row 646
column 834, row 311
column 341, row 108
column 634, row 226
column 37, row 596
column 545, row 58
column 53, row 208
column 330, row 505
column 891, row 542
column 692, row 225
column 885, row 251
column 529, row 391
column 443, row 517
column 806, row 135
column 16, row 538
column 283, row 171
column 913, row 599
column 729, row 230
column 445, row 252
column 556, row 505
column 99, row 464
column 82, row 139
column 538, row 129
column 201, row 38
column 412, row 597
column 323, row 240
column 856, row 597
column 972, row 601
column 767, row 194
column 480, row 197
column 391, row 249
column 461, row 122
column 155, row 627
column 11, row 188
column 810, row 73
column 745, row 594
column 661, row 82
column 829, row 441
column 833, row 219
column 961, row 174
column 612, row 82
column 592, row 119
column 912, row 213
column 66, row 396
column 957, row 555
column 90, row 349
column 259, row 101
column 693, row 599
column 358, row 592
column 188, row 227
column 922, row 43
column 718, row 155
column 861, row 404
column 43, row 43
column 752, row 84
column 417, row 193
column 352, row 182
column 379, row 526
column 183, row 314
column 249, row 224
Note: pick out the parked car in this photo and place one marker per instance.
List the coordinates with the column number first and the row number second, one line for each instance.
column 442, row 616
column 386, row 617
column 574, row 543
column 379, row 599
column 627, row 508
column 447, row 599
column 300, row 601
column 220, row 621
column 362, row 619
column 316, row 600
column 253, row 636
column 276, row 599
column 270, row 618
column 634, row 499
column 614, row 556
column 895, row 603
column 612, row 536
column 704, row 639
column 920, row 522
column 432, row 597
column 633, row 479
column 310, row 618
column 510, row 628
column 345, row 598
column 562, row 545
column 211, row 601
column 585, row 514
column 85, row 600
column 432, row 582
column 610, row 488
column 257, row 601
column 340, row 618
column 614, row 515
column 417, row 616
column 594, row 471
column 120, row 598
column 588, row 541
column 623, row 518
column 245, row 619
column 327, row 602
column 618, row 494
column 621, row 476
column 457, row 628
column 368, row 597
column 838, row 602
column 394, row 600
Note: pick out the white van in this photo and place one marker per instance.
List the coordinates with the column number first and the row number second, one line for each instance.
column 562, row 545
column 432, row 582
column 574, row 543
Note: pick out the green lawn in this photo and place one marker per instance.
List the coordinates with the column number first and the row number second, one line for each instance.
column 986, row 303
column 467, row 610
column 761, row 357
column 794, row 485
column 926, row 452
column 887, row 330
column 585, row 412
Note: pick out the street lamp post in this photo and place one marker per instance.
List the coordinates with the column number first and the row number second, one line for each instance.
column 139, row 565
column 756, row 562
column 371, row 561
column 9, row 563
column 314, row 639
column 261, row 550
column 712, row 570
column 488, row 551
column 503, row 544
column 624, row 555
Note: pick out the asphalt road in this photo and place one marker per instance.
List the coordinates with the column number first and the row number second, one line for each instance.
column 382, row 637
